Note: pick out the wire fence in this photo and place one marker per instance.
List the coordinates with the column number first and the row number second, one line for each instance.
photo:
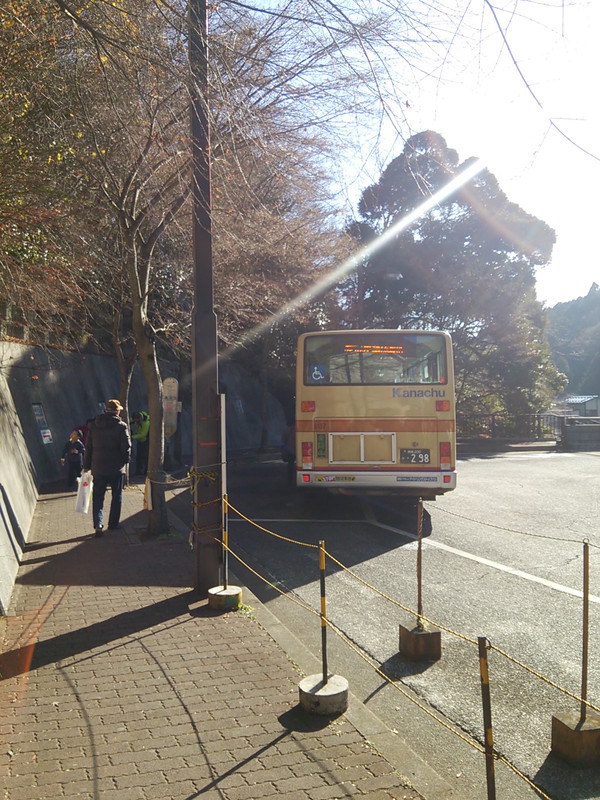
column 527, row 427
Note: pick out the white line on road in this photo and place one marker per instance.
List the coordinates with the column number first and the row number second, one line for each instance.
column 430, row 543
column 486, row 561
column 510, row 456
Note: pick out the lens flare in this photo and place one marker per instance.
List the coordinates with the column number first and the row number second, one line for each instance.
column 352, row 263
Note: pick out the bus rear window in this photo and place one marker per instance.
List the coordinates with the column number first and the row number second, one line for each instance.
column 376, row 359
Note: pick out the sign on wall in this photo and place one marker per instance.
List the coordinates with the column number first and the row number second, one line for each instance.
column 40, row 418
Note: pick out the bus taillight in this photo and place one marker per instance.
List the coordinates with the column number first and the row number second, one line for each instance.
column 307, row 455
column 442, row 405
column 308, row 405
column 445, row 455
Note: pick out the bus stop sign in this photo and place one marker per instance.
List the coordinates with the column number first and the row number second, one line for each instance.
column 170, row 405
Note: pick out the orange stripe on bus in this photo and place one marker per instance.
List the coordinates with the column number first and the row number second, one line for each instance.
column 374, row 425
column 373, row 470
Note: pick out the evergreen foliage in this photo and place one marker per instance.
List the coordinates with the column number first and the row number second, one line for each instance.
column 468, row 267
column 574, row 337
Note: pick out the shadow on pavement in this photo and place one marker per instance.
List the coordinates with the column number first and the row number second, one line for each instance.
column 297, row 719
column 37, row 654
column 119, row 558
column 557, row 779
column 396, row 667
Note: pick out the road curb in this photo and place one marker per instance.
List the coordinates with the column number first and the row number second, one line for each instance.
column 496, row 447
column 390, row 745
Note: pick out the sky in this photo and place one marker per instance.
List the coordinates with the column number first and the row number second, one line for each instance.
column 483, row 108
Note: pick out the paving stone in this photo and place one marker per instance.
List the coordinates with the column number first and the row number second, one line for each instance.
column 120, row 683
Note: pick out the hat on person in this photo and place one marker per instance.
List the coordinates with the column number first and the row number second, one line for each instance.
column 113, row 407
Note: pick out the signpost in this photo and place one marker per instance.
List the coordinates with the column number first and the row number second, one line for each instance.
column 171, row 405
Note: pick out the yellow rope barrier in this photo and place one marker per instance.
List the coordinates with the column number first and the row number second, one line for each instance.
column 358, row 652
column 543, row 678
column 508, row 530
column 398, row 604
column 414, row 613
column 518, row 772
column 349, row 643
column 272, row 533
column 288, row 594
column 404, row 693
column 207, row 503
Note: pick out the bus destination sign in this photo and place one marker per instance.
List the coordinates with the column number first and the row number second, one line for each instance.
column 368, row 347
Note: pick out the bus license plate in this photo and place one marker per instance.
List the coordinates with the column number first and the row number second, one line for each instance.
column 412, row 456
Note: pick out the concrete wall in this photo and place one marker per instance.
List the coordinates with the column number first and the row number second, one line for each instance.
column 66, row 388
column 44, row 394
column 18, row 492
column 244, row 396
column 580, row 433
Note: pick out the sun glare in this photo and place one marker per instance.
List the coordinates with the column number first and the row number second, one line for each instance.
column 352, row 263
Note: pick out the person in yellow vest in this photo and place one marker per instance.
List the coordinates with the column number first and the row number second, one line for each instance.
column 140, row 432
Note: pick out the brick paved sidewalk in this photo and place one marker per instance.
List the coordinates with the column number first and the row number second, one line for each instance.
column 117, row 682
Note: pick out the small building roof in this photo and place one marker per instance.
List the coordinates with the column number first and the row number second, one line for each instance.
column 578, row 400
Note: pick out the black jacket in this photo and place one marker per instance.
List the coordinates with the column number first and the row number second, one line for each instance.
column 73, row 452
column 108, row 445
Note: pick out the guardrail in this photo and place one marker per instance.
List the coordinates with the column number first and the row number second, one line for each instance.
column 529, row 427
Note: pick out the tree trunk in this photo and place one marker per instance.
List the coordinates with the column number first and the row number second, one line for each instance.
column 158, row 522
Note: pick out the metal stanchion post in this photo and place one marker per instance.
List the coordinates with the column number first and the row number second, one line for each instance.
column 419, row 643
column 323, row 611
column 224, row 597
column 487, row 717
column 225, row 541
column 323, row 693
column 586, row 617
column 576, row 735
column 420, row 564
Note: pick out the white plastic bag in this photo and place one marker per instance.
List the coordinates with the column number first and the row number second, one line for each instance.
column 84, row 491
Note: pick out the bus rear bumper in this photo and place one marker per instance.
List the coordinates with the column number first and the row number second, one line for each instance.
column 412, row 483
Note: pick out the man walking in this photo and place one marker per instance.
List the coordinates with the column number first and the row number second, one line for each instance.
column 107, row 452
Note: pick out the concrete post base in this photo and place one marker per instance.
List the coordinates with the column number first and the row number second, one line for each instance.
column 575, row 741
column 221, row 599
column 420, row 644
column 328, row 699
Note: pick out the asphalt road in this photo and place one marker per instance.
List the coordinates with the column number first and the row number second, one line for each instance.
column 502, row 558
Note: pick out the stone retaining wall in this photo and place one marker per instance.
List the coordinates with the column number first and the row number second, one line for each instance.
column 45, row 393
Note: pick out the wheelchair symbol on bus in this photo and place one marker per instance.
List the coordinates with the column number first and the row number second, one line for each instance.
column 317, row 373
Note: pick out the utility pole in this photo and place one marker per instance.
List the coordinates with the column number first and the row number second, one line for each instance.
column 206, row 486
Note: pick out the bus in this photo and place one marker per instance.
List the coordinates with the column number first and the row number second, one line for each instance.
column 375, row 412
